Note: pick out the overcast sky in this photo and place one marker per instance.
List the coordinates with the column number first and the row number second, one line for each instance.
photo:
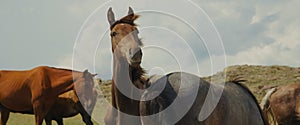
column 177, row 36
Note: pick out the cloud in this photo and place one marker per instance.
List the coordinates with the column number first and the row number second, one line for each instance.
column 252, row 32
column 262, row 32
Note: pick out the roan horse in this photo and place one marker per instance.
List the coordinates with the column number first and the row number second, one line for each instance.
column 282, row 105
column 127, row 73
column 38, row 89
column 237, row 105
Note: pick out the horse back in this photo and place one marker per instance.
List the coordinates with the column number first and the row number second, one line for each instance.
column 20, row 88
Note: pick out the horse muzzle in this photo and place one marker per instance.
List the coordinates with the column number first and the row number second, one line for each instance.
column 136, row 59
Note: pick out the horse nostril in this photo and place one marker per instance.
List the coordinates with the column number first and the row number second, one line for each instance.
column 130, row 53
column 137, row 54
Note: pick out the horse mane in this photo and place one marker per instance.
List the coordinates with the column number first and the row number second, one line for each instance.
column 74, row 72
column 238, row 81
column 64, row 69
column 137, row 72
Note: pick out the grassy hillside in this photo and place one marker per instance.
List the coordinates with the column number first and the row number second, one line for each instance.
column 259, row 78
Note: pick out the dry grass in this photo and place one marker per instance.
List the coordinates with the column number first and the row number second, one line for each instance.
column 260, row 78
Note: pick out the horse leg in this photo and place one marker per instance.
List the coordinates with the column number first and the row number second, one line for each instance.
column 86, row 118
column 48, row 120
column 4, row 116
column 41, row 109
column 111, row 115
column 38, row 114
column 59, row 121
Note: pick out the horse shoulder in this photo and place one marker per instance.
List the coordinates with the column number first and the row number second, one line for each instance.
column 40, row 78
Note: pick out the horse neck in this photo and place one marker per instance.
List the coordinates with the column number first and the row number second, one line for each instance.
column 65, row 81
column 125, row 76
column 123, row 73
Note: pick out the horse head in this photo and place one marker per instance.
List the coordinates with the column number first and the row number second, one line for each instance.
column 124, row 37
column 84, row 87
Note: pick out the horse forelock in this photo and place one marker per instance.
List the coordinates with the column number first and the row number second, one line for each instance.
column 126, row 21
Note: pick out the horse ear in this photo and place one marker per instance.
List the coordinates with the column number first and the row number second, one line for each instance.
column 94, row 75
column 85, row 73
column 130, row 17
column 131, row 14
column 130, row 11
column 111, row 16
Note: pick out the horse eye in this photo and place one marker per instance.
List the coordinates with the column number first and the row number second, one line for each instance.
column 113, row 34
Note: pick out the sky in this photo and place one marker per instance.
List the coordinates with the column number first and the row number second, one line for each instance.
column 197, row 36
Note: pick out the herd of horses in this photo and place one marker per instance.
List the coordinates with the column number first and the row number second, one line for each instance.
column 54, row 93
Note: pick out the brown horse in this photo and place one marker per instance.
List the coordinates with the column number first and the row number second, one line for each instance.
column 282, row 105
column 37, row 90
column 237, row 105
column 66, row 105
column 127, row 73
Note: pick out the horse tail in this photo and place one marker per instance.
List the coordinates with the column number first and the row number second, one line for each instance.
column 238, row 81
column 265, row 105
